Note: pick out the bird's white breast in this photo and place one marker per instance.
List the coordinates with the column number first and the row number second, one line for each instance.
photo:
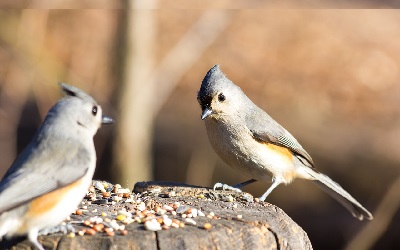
column 237, row 147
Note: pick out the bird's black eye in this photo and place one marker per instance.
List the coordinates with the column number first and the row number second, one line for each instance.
column 221, row 97
column 94, row 110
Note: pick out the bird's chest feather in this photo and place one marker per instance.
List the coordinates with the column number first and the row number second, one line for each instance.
column 238, row 148
column 226, row 140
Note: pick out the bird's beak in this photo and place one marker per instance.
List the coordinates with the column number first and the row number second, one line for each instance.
column 206, row 113
column 107, row 120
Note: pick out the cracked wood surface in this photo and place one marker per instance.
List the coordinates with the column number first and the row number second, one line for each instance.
column 260, row 226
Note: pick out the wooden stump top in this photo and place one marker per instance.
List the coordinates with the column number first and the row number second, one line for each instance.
column 236, row 223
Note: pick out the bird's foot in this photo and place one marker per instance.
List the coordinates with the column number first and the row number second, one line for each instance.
column 221, row 186
column 63, row 228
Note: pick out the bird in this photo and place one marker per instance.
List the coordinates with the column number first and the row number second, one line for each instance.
column 250, row 141
column 48, row 180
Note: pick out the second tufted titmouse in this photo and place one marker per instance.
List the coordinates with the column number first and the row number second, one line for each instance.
column 250, row 141
column 52, row 175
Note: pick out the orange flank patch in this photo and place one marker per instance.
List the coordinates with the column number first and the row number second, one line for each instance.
column 289, row 174
column 281, row 150
column 48, row 201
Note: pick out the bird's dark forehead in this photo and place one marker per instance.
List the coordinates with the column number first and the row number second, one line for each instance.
column 204, row 99
column 210, row 86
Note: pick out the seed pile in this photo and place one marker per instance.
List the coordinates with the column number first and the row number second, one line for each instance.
column 117, row 207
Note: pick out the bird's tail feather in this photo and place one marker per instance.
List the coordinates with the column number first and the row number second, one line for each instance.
column 341, row 195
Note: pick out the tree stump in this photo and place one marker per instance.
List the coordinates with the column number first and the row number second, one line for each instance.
column 232, row 221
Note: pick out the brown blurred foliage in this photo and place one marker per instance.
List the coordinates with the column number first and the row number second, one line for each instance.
column 331, row 77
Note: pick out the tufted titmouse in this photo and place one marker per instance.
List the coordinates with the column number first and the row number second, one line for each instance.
column 250, row 141
column 51, row 176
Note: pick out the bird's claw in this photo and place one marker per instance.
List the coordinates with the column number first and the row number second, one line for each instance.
column 56, row 229
column 219, row 186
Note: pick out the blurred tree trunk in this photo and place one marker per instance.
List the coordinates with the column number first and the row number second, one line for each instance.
column 146, row 87
column 132, row 151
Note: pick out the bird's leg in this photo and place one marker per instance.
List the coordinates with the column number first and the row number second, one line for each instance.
column 32, row 236
column 275, row 183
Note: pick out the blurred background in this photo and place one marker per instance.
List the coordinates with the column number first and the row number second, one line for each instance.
column 330, row 77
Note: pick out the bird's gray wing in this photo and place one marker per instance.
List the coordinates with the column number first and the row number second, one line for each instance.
column 43, row 171
column 266, row 129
